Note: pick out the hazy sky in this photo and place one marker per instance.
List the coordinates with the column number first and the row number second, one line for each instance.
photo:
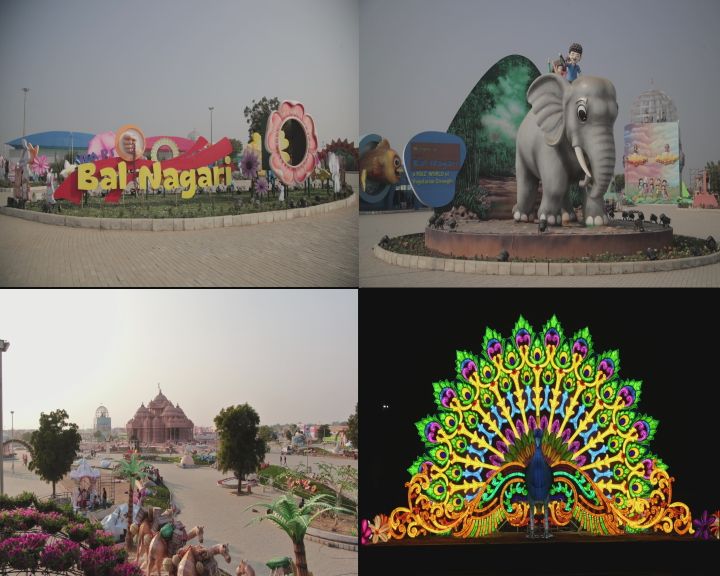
column 419, row 59
column 292, row 355
column 95, row 65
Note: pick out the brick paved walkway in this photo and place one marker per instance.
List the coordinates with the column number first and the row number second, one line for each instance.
column 314, row 251
column 374, row 272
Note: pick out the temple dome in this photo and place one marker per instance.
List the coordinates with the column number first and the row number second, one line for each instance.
column 653, row 106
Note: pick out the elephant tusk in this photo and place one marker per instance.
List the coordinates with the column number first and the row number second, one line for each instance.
column 581, row 159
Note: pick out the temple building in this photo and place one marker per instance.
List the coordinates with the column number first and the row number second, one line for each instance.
column 160, row 422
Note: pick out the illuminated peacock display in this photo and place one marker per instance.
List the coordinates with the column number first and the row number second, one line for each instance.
column 471, row 478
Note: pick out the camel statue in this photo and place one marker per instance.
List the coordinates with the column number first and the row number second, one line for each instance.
column 244, row 569
column 197, row 560
column 157, row 547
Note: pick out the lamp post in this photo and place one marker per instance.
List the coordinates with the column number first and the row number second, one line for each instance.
column 211, row 108
column 12, row 437
column 4, row 345
column 26, row 90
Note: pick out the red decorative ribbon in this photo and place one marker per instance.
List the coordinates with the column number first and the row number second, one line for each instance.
column 196, row 157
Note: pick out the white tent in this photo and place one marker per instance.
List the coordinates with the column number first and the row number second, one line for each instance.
column 84, row 470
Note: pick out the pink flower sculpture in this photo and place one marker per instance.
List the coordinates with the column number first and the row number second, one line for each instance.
column 280, row 166
column 103, row 145
column 40, row 165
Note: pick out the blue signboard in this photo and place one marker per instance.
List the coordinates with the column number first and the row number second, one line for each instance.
column 432, row 162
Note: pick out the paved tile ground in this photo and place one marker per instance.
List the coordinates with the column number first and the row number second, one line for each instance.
column 374, row 272
column 314, row 251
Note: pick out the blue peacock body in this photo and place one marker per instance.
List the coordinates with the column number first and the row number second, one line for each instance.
column 472, row 476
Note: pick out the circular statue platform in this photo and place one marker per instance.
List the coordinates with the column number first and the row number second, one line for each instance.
column 486, row 239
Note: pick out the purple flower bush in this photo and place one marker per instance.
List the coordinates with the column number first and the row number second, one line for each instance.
column 77, row 532
column 100, row 538
column 127, row 569
column 51, row 522
column 60, row 556
column 25, row 518
column 22, row 552
column 101, row 561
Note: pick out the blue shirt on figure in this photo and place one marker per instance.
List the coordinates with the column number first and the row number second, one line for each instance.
column 572, row 72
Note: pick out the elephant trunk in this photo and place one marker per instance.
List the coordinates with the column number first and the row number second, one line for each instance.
column 601, row 154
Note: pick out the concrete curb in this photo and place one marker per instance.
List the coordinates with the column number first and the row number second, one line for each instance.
column 332, row 540
column 540, row 268
column 179, row 224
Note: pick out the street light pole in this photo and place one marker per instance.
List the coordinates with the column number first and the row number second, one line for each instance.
column 12, row 437
column 4, row 345
column 26, row 90
column 211, row 108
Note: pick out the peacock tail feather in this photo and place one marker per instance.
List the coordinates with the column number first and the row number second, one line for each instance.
column 471, row 477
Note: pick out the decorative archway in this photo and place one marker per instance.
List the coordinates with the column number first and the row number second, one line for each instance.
column 17, row 441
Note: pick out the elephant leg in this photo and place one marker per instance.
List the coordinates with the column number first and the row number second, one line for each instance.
column 595, row 210
column 568, row 212
column 551, row 206
column 527, row 187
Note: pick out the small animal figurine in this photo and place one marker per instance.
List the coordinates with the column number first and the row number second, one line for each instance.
column 381, row 164
column 653, row 218
column 664, row 220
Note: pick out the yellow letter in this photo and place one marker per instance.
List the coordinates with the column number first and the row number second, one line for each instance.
column 109, row 179
column 86, row 180
column 217, row 170
column 171, row 178
column 228, row 171
column 187, row 180
column 204, row 177
column 145, row 174
column 122, row 168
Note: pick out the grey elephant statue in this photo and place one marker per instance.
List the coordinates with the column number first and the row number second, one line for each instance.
column 566, row 136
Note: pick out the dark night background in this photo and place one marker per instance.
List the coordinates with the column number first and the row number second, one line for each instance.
column 665, row 338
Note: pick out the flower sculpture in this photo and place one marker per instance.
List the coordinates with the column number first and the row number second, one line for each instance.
column 249, row 164
column 715, row 525
column 40, row 165
column 261, row 187
column 703, row 525
column 277, row 144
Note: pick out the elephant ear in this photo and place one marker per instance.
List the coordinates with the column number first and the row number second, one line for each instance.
column 546, row 95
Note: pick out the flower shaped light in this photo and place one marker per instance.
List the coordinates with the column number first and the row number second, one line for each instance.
column 40, row 165
column 249, row 164
column 261, row 187
column 277, row 143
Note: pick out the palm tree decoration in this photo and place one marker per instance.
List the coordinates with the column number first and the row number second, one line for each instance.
column 295, row 521
column 131, row 469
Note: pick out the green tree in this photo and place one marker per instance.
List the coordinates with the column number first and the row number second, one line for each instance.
column 237, row 147
column 341, row 479
column 324, row 430
column 99, row 435
column 288, row 434
column 619, row 182
column 257, row 116
column 266, row 434
column 131, row 469
column 713, row 170
column 54, row 445
column 352, row 432
column 241, row 449
column 294, row 521
column 26, row 436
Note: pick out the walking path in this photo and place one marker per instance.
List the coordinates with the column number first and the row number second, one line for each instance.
column 313, row 251
column 374, row 272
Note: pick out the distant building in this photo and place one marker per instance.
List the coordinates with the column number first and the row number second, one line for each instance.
column 160, row 422
column 102, row 422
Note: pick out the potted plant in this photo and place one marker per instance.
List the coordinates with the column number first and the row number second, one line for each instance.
column 77, row 532
column 51, row 522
